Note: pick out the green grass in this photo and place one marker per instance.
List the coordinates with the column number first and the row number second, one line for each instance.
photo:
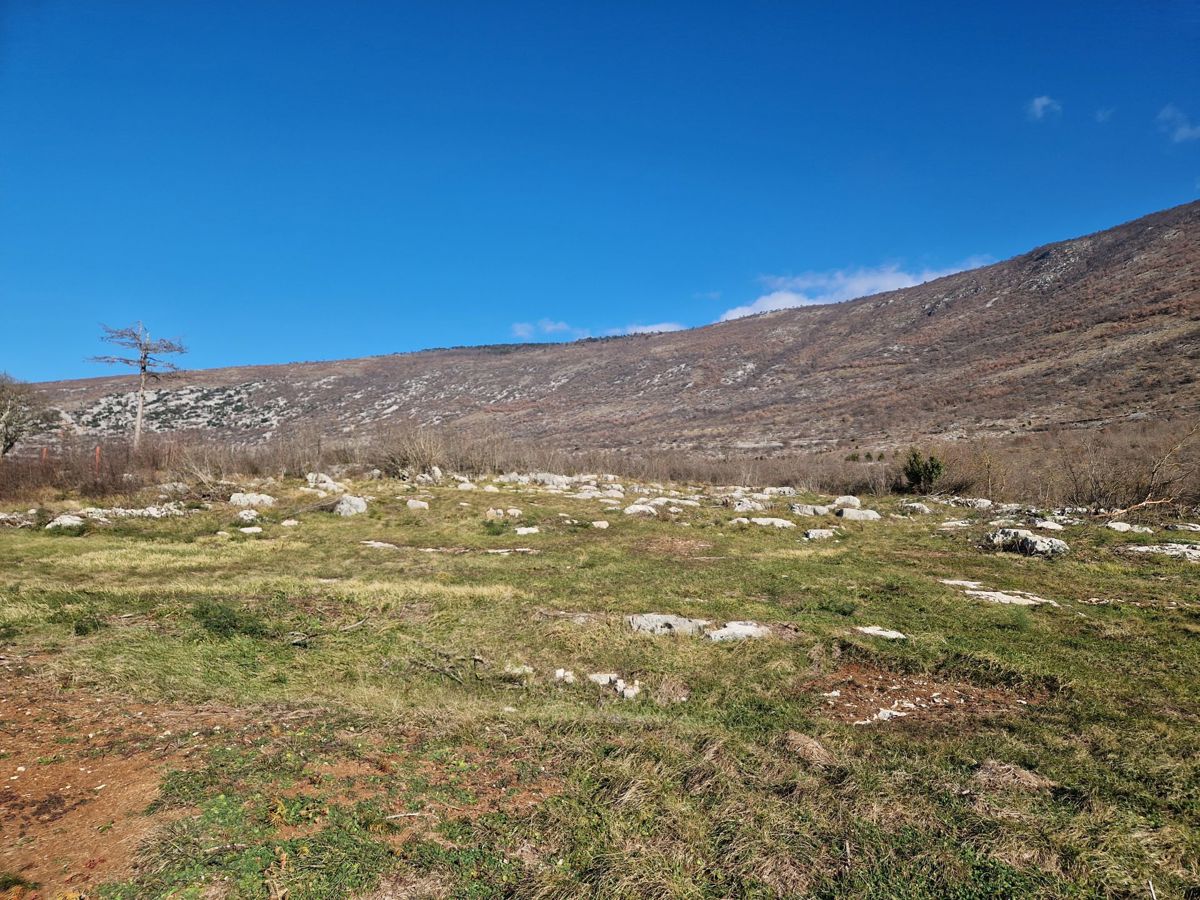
column 397, row 658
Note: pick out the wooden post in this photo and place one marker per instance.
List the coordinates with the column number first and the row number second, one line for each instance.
column 96, row 467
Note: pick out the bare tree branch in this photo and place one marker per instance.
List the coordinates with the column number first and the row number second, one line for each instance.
column 148, row 361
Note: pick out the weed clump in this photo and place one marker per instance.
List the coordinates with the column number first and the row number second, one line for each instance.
column 222, row 619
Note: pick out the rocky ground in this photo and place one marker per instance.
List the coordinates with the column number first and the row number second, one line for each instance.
column 543, row 686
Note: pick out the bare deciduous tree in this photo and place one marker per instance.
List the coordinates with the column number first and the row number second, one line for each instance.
column 22, row 412
column 148, row 361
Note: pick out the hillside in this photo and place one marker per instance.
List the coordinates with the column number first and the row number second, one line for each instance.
column 1089, row 330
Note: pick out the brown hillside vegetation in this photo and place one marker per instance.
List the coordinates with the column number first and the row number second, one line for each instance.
column 1095, row 330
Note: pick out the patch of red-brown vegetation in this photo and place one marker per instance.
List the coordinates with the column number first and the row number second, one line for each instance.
column 78, row 770
column 863, row 694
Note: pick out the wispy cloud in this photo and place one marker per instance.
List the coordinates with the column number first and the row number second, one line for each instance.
column 815, row 288
column 1041, row 107
column 1104, row 115
column 1175, row 122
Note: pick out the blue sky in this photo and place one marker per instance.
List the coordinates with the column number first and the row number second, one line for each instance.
column 290, row 181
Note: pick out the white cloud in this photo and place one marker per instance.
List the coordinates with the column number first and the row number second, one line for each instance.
column 1175, row 122
column 529, row 330
column 1104, row 114
column 814, row 288
column 1041, row 107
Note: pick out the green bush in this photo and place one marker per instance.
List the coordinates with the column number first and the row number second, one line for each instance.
column 922, row 472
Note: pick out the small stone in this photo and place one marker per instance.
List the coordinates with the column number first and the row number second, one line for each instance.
column 819, row 534
column 253, row 529
column 417, row 504
column 600, row 523
column 290, row 523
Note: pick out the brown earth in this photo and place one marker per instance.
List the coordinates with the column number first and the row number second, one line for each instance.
column 79, row 770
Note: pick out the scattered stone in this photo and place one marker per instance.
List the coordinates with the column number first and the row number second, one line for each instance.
column 513, row 512
column 640, row 509
column 520, row 672
column 1183, row 526
column 600, row 523
column 918, row 508
column 808, row 749
column 604, row 679
column 379, row 545
column 747, row 505
column 848, row 501
column 66, row 520
column 248, row 499
column 493, row 514
column 417, row 504
column 350, row 506
column 253, row 529
column 882, row 716
column 490, row 489
column 248, row 515
column 1020, row 540
column 290, row 523
column 885, row 633
column 954, row 582
column 466, row 486
column 530, row 529
column 854, row 514
column 566, row 676
column 808, row 509
column 1047, row 525
column 819, row 534
column 659, row 623
column 766, row 522
column 319, row 481
column 1125, row 527
column 955, row 523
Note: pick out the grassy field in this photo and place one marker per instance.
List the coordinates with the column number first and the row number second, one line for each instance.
column 298, row 714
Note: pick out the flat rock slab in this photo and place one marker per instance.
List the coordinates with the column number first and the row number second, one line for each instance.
column 1013, row 598
column 739, row 631
column 1190, row 552
column 850, row 514
column 886, row 633
column 661, row 623
column 819, row 534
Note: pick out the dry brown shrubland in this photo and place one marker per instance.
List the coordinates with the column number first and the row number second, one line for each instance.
column 1155, row 463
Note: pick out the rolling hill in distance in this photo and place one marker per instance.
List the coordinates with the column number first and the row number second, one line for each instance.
column 1088, row 331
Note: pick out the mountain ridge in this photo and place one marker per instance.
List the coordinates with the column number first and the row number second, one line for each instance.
column 1091, row 329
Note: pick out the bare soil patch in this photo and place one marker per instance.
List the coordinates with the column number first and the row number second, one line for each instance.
column 78, row 770
column 862, row 694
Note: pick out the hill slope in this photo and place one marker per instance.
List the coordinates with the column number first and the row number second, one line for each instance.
column 1092, row 329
